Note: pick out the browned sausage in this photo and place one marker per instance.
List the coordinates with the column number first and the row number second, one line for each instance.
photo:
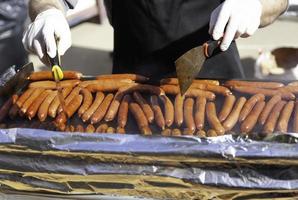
column 134, row 77
column 123, row 111
column 75, row 92
column 139, row 116
column 90, row 129
column 102, row 128
column 188, row 115
column 212, row 133
column 176, row 132
column 142, row 88
column 102, row 109
column 114, row 107
column 79, row 129
column 96, row 103
column 24, row 97
column 272, row 119
column 48, row 75
column 70, row 109
column 145, row 106
column 174, row 81
column 251, row 120
column 56, row 102
column 267, row 92
column 14, row 98
column 107, row 85
column 213, row 119
column 249, row 106
column 166, row 132
column 265, row 113
column 227, row 108
column 5, row 109
column 159, row 118
column 32, row 110
column 295, row 83
column 111, row 130
column 295, row 121
column 51, row 85
column 146, row 131
column 200, row 112
column 233, row 117
column 120, row 130
column 179, row 101
column 201, row 134
column 292, row 89
column 266, row 85
column 87, row 102
column 285, row 116
column 31, row 100
column 168, row 110
column 44, row 107
column 218, row 90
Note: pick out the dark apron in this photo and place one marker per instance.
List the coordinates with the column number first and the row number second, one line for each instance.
column 151, row 34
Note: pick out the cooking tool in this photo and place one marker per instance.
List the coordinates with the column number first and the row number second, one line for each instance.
column 190, row 64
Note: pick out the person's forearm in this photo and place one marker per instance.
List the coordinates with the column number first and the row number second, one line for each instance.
column 272, row 9
column 38, row 6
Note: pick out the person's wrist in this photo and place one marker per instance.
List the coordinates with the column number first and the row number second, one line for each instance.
column 49, row 12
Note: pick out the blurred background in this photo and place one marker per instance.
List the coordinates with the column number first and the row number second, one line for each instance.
column 92, row 47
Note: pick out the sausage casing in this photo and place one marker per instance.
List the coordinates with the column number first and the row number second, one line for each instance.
column 249, row 106
column 87, row 102
column 188, row 115
column 200, row 109
column 145, row 106
column 226, row 108
column 31, row 100
column 114, row 107
column 48, row 75
column 283, row 122
column 24, row 97
column 251, row 120
column 168, row 110
column 102, row 128
column 56, row 102
column 213, row 120
column 139, row 116
column 123, row 111
column 44, row 107
column 233, row 117
column 96, row 103
column 32, row 110
column 265, row 113
column 179, row 101
column 102, row 109
column 158, row 115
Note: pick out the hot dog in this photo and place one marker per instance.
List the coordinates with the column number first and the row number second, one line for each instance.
column 158, row 115
column 44, row 107
column 56, row 102
column 123, row 111
column 200, row 108
column 102, row 109
column 218, row 90
column 32, row 110
column 102, row 128
column 113, row 110
column 188, row 115
column 140, row 118
column 106, row 84
column 24, row 97
column 227, row 108
column 176, row 132
column 79, row 129
column 251, row 120
column 134, row 77
column 111, row 130
column 168, row 110
column 233, row 117
column 31, row 99
column 201, row 134
column 249, row 106
column 285, row 116
column 75, row 92
column 213, row 120
column 120, row 130
column 96, row 103
column 166, row 132
column 174, row 81
column 51, row 85
column 90, row 129
column 142, row 88
column 266, row 111
column 87, row 102
column 265, row 85
column 212, row 133
column 145, row 106
column 295, row 121
column 179, row 101
column 48, row 75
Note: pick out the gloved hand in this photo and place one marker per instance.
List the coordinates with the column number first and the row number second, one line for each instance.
column 234, row 19
column 39, row 38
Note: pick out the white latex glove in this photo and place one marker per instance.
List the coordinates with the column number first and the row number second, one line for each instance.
column 39, row 38
column 234, row 19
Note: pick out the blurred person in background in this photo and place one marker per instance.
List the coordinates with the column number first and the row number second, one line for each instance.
column 13, row 14
column 149, row 35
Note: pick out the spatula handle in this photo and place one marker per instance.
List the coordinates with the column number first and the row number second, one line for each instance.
column 210, row 47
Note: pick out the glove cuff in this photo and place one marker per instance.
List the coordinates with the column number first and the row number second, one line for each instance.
column 50, row 12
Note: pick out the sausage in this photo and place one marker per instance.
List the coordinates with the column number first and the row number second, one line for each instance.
column 24, row 97
column 295, row 83
column 166, row 132
column 134, row 77
column 123, row 111
column 272, row 119
column 107, row 86
column 51, row 85
column 213, row 120
column 158, row 115
column 106, row 83
column 179, row 101
column 114, row 107
column 266, row 111
column 145, row 106
column 212, row 133
column 227, row 108
column 96, row 103
column 142, row 88
column 251, row 120
column 188, row 115
column 295, row 121
column 90, row 129
column 168, row 110
column 32, row 110
column 56, row 102
column 44, row 107
column 219, row 90
column 249, row 106
column 79, row 129
column 31, row 100
column 200, row 108
column 233, row 117
column 140, row 117
column 87, row 102
column 120, row 130
column 48, row 75
column 5, row 108
column 14, row 98
column 174, row 90
column 111, row 130
column 75, row 92
column 283, row 122
column 176, row 132
column 265, row 85
column 201, row 134
column 174, row 81
column 289, row 88
column 70, row 109
column 146, row 131
column 102, row 109
column 102, row 128
column 267, row 92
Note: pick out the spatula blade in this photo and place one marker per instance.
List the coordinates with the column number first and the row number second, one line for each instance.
column 188, row 66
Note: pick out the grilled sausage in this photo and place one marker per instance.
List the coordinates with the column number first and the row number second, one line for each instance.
column 200, row 108
column 32, row 110
column 114, row 107
column 79, row 129
column 51, row 85
column 123, row 111
column 140, row 117
column 213, row 119
column 90, row 129
column 31, row 100
column 265, row 85
column 188, row 115
column 176, row 132
column 102, row 109
column 295, row 121
column 87, row 102
column 56, row 102
column 249, row 106
column 272, row 119
column 75, row 92
column 5, row 109
column 201, row 134
column 134, row 77
column 111, row 130
column 233, row 117
column 227, row 108
column 174, row 81
column 265, row 113
column 212, row 133
column 168, row 110
column 145, row 106
column 142, row 88
column 96, row 103
column 24, row 97
column 48, row 75
column 146, row 131
column 102, row 128
column 106, row 84
column 44, row 107
column 158, row 115
column 218, row 90
column 166, row 132
column 14, row 98
column 285, row 116
column 120, row 130
column 179, row 101
column 251, row 120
